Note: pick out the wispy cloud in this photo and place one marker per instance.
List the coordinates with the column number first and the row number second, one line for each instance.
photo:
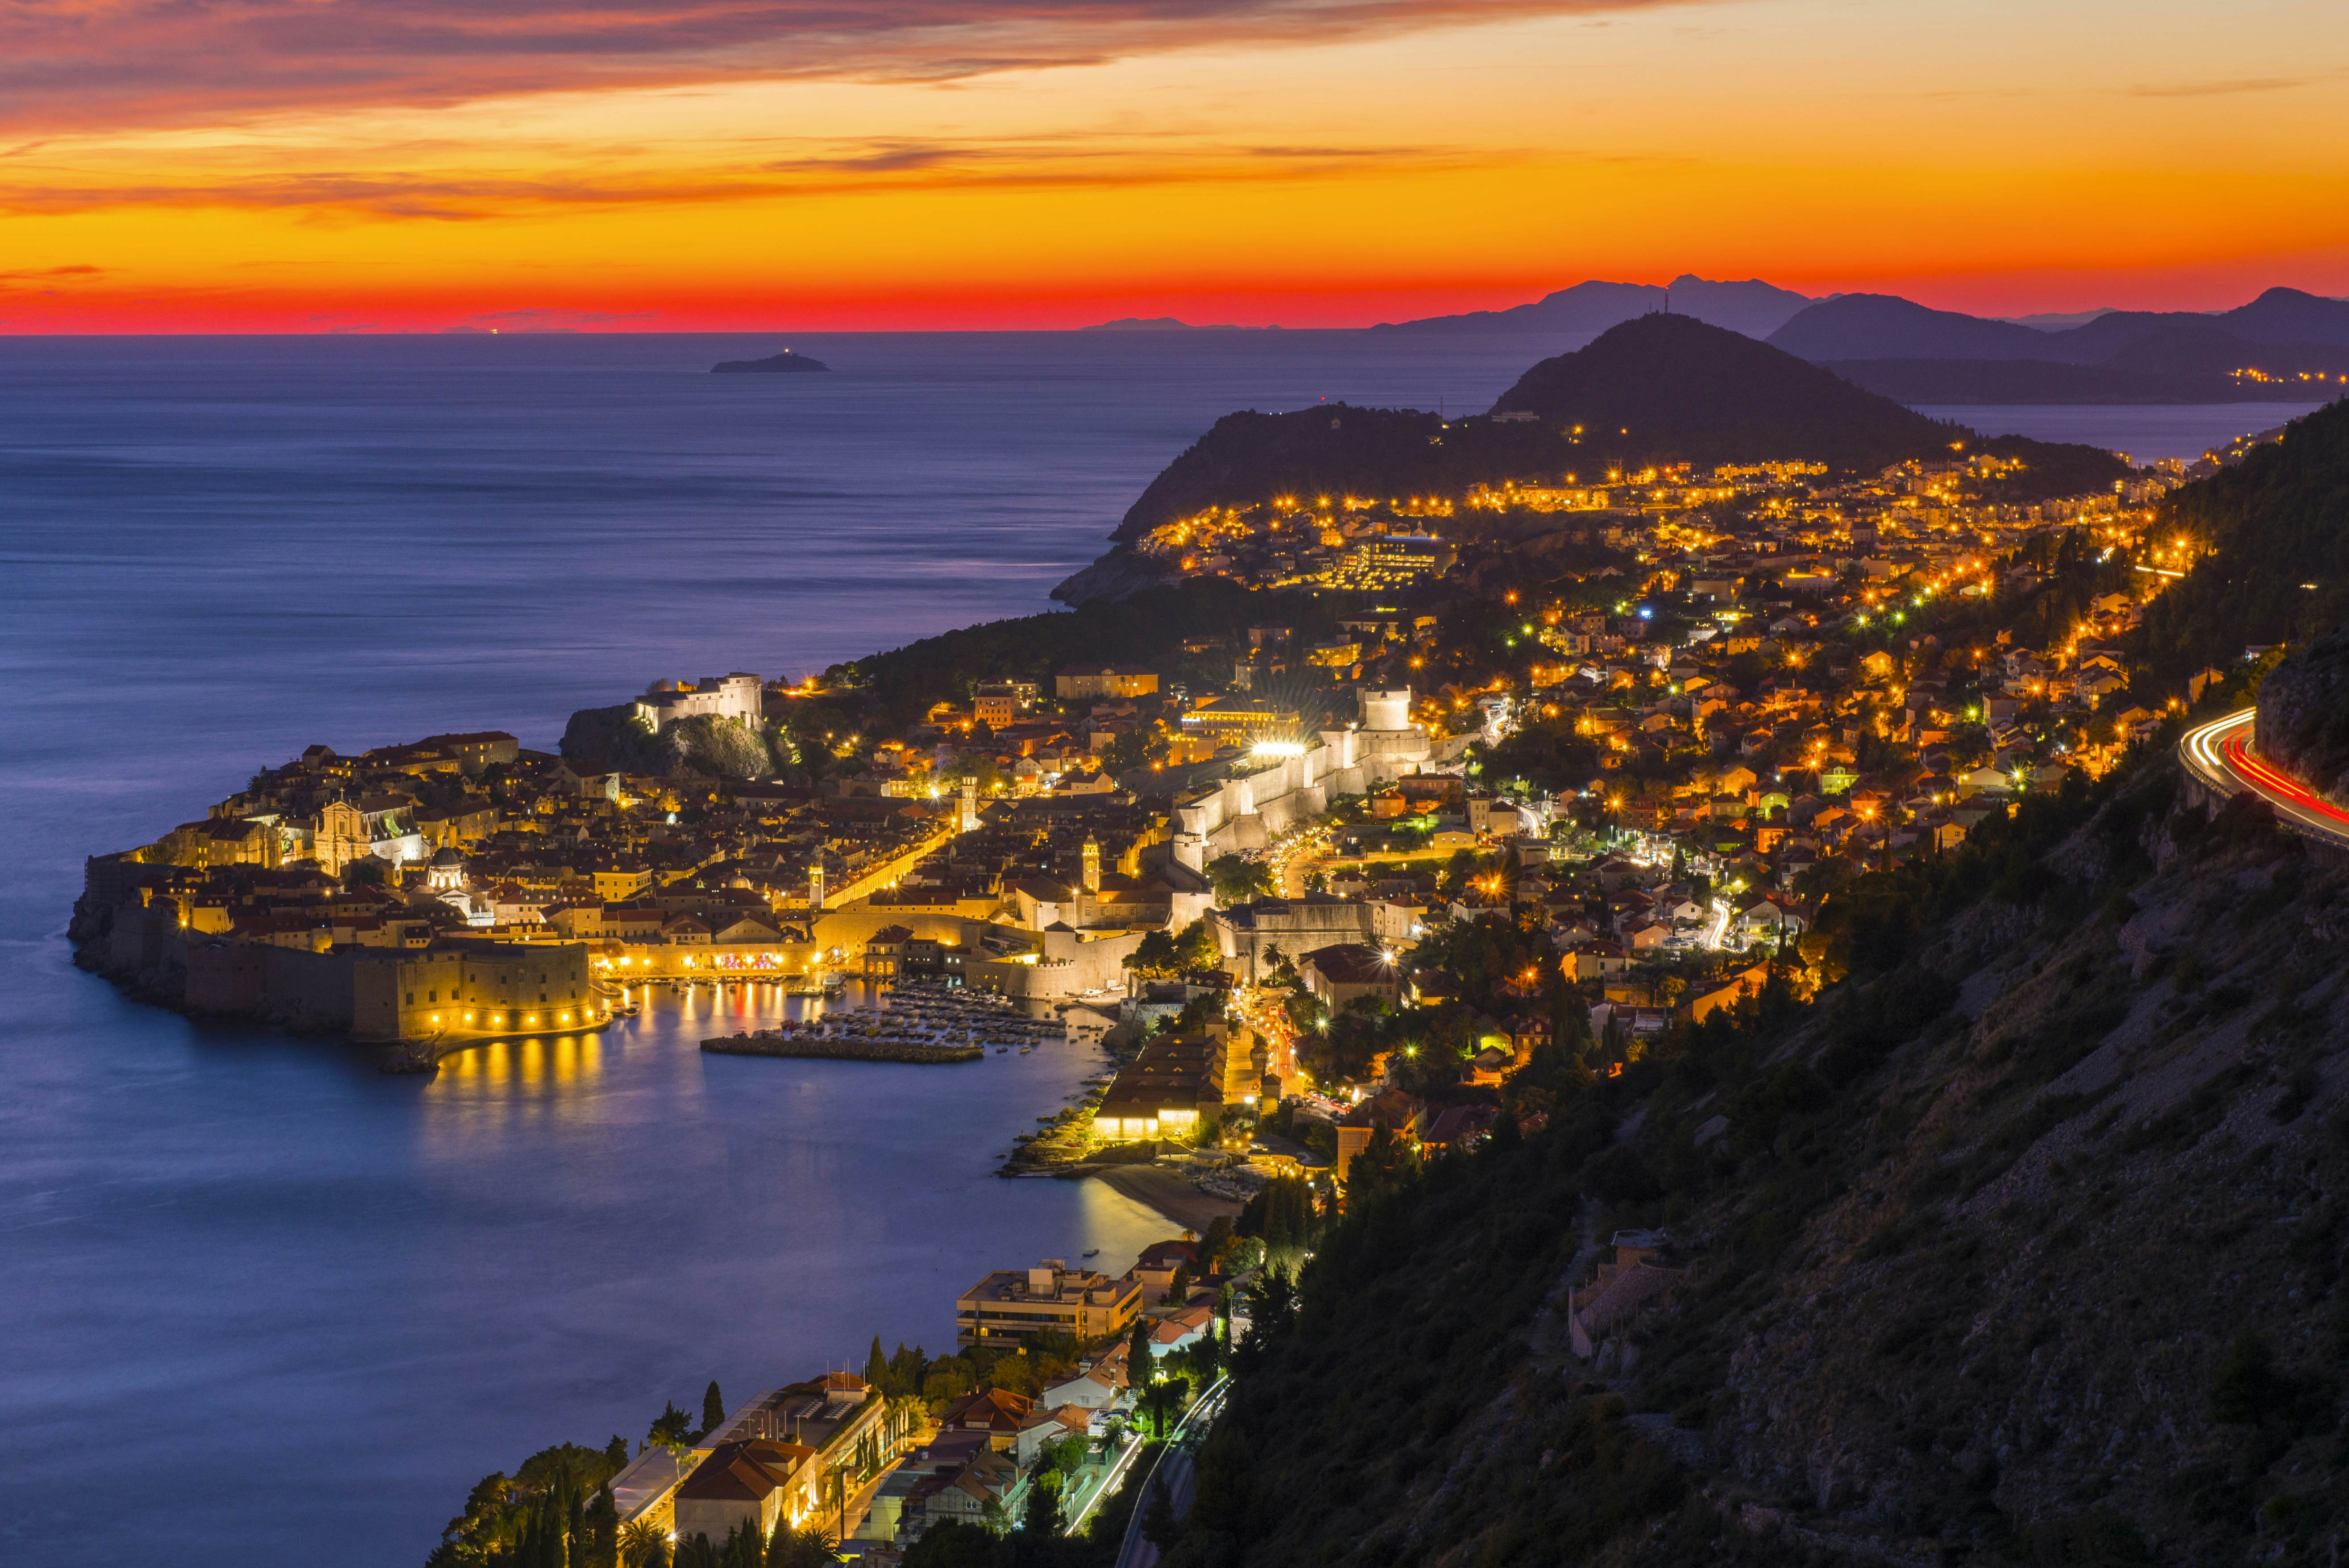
column 548, row 319
column 111, row 63
column 841, row 170
column 2221, row 88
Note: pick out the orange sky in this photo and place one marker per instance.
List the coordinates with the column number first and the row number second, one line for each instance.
column 722, row 164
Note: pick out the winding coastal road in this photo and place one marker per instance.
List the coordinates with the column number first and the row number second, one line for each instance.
column 2220, row 754
column 1174, row 1468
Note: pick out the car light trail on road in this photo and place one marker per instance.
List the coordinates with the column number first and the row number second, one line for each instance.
column 2220, row 755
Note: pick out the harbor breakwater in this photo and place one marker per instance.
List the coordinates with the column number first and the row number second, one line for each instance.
column 766, row 1043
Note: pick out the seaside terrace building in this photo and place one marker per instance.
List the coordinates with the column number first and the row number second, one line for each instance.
column 1010, row 1306
column 1180, row 1080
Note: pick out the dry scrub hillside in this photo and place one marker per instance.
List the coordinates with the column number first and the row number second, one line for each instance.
column 2024, row 1245
column 2079, row 1249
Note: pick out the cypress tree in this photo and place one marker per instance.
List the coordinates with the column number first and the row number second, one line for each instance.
column 574, row 1521
column 602, row 1546
column 542, row 1534
column 1137, row 1354
column 877, row 1367
column 1159, row 1525
column 713, row 1409
column 1043, row 1517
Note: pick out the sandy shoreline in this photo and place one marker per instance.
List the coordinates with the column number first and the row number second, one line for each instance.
column 1168, row 1194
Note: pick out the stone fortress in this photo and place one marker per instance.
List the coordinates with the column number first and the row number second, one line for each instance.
column 1279, row 785
column 734, row 696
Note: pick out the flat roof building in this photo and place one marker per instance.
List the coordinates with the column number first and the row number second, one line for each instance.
column 1011, row 1305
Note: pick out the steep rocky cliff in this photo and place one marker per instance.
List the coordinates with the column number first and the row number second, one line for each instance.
column 610, row 740
column 2303, row 717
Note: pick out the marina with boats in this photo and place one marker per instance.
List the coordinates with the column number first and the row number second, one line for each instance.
column 917, row 1024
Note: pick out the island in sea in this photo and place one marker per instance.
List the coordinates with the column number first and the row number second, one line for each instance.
column 1665, row 915
column 1167, row 323
column 787, row 363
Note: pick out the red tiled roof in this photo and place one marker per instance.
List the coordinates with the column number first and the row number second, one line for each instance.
column 995, row 1409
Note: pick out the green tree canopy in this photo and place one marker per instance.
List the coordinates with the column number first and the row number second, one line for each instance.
column 1236, row 878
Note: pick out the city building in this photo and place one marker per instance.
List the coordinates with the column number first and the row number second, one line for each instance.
column 1392, row 560
column 1082, row 682
column 1009, row 1305
column 739, row 1484
column 1179, row 1081
column 1343, row 971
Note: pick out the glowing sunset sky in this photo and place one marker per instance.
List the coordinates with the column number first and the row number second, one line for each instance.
column 264, row 165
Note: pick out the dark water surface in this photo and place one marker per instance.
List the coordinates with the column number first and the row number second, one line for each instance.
column 2145, row 432
column 264, row 1305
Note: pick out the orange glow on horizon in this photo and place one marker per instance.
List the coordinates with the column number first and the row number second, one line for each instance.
column 1984, row 155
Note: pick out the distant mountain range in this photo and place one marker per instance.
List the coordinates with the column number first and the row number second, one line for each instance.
column 1581, row 313
column 1165, row 324
column 2286, row 345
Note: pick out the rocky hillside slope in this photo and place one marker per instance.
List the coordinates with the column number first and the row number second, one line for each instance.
column 2303, row 717
column 2024, row 1244
column 610, row 739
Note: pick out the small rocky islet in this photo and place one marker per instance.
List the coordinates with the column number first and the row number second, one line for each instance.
column 785, row 363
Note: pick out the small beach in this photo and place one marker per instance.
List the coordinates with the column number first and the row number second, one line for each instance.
column 1167, row 1193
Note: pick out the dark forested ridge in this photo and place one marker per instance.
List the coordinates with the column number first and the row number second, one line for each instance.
column 1338, row 449
column 1671, row 386
column 2274, row 530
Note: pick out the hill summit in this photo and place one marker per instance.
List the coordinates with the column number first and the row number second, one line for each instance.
column 1672, row 386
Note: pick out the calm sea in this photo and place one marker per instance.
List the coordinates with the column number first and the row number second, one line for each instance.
column 302, row 1305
